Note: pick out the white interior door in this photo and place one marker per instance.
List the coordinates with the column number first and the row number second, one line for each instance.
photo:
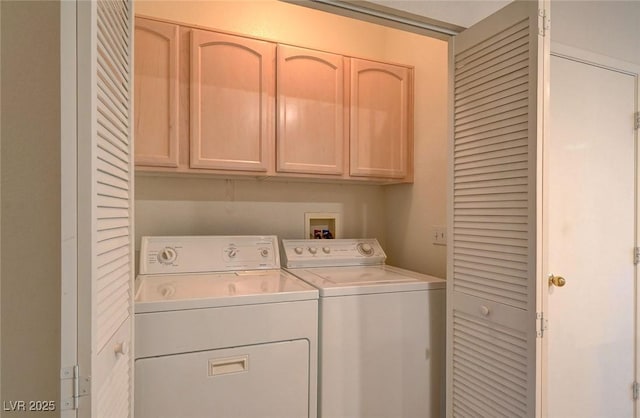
column 499, row 73
column 97, row 220
column 590, row 221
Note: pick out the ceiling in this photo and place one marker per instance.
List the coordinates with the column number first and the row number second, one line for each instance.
column 458, row 12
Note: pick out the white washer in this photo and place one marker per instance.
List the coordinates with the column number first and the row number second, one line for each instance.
column 381, row 333
column 222, row 331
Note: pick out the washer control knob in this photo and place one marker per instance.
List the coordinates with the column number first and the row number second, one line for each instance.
column 326, row 250
column 298, row 250
column 365, row 249
column 167, row 255
column 313, row 250
column 264, row 252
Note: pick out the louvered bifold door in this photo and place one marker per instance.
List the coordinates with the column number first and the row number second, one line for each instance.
column 105, row 190
column 492, row 256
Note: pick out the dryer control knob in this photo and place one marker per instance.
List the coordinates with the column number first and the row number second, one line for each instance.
column 313, row 250
column 264, row 252
column 326, row 250
column 365, row 249
column 298, row 250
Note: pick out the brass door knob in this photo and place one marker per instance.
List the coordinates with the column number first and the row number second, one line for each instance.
column 557, row 281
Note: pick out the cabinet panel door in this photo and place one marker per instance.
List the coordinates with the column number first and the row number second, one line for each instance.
column 156, row 93
column 232, row 95
column 311, row 119
column 380, row 119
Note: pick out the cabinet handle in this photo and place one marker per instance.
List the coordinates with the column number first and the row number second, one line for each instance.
column 121, row 348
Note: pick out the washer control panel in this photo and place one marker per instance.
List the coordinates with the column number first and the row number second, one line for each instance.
column 331, row 252
column 200, row 254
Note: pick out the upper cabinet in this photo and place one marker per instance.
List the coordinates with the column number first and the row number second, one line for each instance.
column 210, row 102
column 232, row 92
column 381, row 119
column 311, row 111
column 156, row 93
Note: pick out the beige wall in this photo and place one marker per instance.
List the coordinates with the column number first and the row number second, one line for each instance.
column 412, row 210
column 399, row 216
column 30, row 202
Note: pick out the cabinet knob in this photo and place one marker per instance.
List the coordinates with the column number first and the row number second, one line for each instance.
column 121, row 348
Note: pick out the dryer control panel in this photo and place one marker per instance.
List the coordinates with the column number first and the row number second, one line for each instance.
column 331, row 252
column 200, row 254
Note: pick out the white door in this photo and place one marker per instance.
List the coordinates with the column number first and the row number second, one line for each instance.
column 499, row 73
column 590, row 221
column 97, row 228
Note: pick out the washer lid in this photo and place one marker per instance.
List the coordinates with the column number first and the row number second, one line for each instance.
column 359, row 280
column 156, row 293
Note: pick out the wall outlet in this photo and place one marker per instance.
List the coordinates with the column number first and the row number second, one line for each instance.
column 438, row 235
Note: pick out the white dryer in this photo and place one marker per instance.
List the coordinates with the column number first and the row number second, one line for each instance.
column 222, row 331
column 381, row 332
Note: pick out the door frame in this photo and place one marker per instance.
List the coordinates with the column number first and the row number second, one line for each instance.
column 69, row 202
column 590, row 58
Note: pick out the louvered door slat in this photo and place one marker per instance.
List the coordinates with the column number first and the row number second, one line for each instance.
column 496, row 135
column 109, row 40
column 489, row 85
column 109, row 118
column 120, row 19
column 497, row 66
column 112, row 97
column 114, row 269
column 492, row 268
column 485, row 112
column 110, row 165
column 492, row 77
column 490, row 197
column 499, row 40
column 500, row 283
column 106, row 224
column 512, row 156
column 109, row 65
column 514, row 266
column 110, row 190
column 485, row 103
column 506, row 393
column 493, row 63
column 108, row 84
column 493, row 226
column 497, row 90
column 117, row 82
column 502, row 142
column 110, row 144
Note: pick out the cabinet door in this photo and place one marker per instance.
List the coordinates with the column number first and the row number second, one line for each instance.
column 232, row 102
column 156, row 93
column 311, row 120
column 380, row 119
